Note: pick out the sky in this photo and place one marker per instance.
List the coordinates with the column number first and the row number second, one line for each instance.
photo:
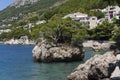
column 5, row 3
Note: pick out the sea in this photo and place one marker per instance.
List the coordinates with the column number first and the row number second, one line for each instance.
column 16, row 63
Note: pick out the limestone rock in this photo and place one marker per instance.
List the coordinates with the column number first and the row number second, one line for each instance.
column 97, row 45
column 99, row 67
column 44, row 52
column 18, row 3
column 116, row 73
column 22, row 41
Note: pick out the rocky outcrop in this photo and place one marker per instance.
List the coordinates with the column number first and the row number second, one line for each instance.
column 116, row 73
column 44, row 52
column 100, row 67
column 58, row 3
column 18, row 3
column 22, row 41
column 98, row 45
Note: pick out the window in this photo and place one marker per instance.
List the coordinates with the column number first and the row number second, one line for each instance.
column 93, row 18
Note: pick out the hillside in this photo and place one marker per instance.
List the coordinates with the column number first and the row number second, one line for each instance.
column 22, row 7
column 50, row 11
column 19, row 3
column 79, row 6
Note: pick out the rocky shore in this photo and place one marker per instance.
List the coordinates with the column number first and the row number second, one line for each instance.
column 44, row 52
column 99, row 67
column 22, row 41
column 98, row 45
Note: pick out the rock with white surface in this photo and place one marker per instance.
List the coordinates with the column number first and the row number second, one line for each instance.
column 44, row 52
column 99, row 67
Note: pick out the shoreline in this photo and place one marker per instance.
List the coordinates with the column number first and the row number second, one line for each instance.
column 98, row 45
column 92, row 44
column 1, row 42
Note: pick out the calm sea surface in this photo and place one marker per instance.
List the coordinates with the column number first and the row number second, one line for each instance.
column 16, row 63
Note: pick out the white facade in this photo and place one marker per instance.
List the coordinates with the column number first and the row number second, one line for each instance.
column 77, row 16
column 40, row 22
column 6, row 30
column 92, row 22
column 30, row 25
column 111, row 12
column 83, row 18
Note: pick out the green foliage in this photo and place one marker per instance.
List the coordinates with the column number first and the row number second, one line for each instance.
column 84, row 6
column 60, row 30
column 49, row 13
column 116, row 22
column 35, row 33
column 116, row 31
column 102, row 32
column 21, row 23
column 98, row 14
column 18, row 32
column 5, row 36
column 40, row 6
column 33, row 19
column 56, row 29
column 15, row 33
column 116, row 36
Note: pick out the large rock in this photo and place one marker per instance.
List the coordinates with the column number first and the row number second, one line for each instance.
column 18, row 3
column 116, row 74
column 44, row 52
column 100, row 67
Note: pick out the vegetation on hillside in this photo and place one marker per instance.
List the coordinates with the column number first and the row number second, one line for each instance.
column 58, row 30
column 63, row 31
column 102, row 32
column 83, row 6
column 39, row 7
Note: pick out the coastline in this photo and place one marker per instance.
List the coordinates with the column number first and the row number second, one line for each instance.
column 104, row 67
column 98, row 45
column 1, row 42
column 19, row 42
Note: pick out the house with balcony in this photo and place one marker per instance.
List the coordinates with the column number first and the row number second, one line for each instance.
column 111, row 12
column 77, row 17
column 83, row 18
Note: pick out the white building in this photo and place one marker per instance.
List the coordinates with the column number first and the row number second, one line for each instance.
column 84, row 18
column 6, row 31
column 77, row 16
column 93, row 22
column 30, row 25
column 1, row 31
column 40, row 22
column 111, row 12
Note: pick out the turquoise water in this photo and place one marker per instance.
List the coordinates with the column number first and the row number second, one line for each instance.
column 16, row 63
